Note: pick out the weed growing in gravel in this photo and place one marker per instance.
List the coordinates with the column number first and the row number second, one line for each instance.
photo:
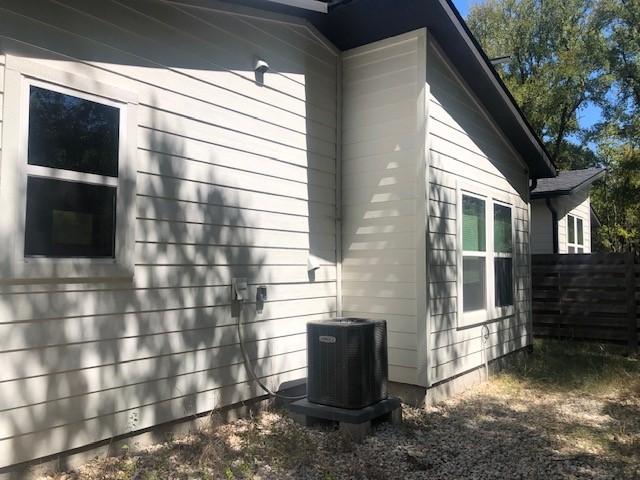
column 577, row 366
column 565, row 411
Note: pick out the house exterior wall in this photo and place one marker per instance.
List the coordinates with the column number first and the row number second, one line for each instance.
column 577, row 204
column 541, row 228
column 383, row 192
column 238, row 179
column 233, row 179
column 2, row 63
column 464, row 148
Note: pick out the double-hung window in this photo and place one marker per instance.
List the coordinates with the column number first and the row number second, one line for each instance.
column 474, row 251
column 575, row 234
column 485, row 255
column 73, row 145
column 71, row 205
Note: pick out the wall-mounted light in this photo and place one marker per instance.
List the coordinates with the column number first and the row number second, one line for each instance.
column 313, row 265
column 260, row 67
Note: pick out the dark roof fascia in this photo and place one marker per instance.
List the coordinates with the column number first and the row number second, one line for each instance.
column 570, row 191
column 354, row 23
column 502, row 88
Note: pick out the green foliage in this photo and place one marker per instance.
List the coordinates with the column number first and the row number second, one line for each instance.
column 565, row 55
column 586, row 367
column 557, row 64
column 618, row 136
column 617, row 198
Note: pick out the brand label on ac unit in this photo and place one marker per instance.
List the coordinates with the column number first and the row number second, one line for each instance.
column 327, row 339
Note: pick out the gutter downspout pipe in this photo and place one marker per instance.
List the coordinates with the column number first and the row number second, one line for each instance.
column 554, row 223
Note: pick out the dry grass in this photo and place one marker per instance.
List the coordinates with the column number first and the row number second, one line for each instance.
column 567, row 411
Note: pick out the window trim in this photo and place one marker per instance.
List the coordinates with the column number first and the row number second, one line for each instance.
column 575, row 245
column 20, row 74
column 490, row 312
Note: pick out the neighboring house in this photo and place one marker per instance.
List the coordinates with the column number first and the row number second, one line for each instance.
column 561, row 212
column 378, row 167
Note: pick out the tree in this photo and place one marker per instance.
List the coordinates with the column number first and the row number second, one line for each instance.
column 565, row 54
column 618, row 135
column 557, row 63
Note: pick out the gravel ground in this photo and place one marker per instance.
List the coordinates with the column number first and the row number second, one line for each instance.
column 522, row 424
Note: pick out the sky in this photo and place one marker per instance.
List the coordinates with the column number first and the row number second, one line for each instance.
column 463, row 6
column 587, row 117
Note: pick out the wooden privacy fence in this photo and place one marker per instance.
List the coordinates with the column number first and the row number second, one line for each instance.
column 592, row 297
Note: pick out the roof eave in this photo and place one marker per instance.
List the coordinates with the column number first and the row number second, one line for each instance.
column 511, row 102
column 586, row 183
column 359, row 22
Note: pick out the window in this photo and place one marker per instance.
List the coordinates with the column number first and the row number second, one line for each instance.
column 68, row 182
column 503, row 255
column 575, row 234
column 485, row 280
column 69, row 219
column 66, row 217
column 474, row 253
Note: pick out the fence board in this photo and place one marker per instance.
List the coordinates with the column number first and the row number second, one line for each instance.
column 593, row 297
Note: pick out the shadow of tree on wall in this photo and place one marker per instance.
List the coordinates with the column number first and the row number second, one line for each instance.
column 476, row 156
column 89, row 359
column 171, row 339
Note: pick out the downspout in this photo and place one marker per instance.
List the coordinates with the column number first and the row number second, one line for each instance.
column 338, row 197
column 554, row 223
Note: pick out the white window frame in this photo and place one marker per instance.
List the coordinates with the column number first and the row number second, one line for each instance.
column 20, row 75
column 490, row 312
column 575, row 245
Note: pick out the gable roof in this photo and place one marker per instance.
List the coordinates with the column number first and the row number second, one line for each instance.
column 567, row 182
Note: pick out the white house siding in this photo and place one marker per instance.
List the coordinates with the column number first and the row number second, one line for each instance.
column 234, row 179
column 464, row 146
column 2, row 62
column 383, row 191
column 578, row 205
column 541, row 228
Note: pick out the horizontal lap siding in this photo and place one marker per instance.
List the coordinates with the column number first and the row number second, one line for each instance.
column 2, row 62
column 463, row 146
column 578, row 205
column 379, row 193
column 541, row 228
column 234, row 179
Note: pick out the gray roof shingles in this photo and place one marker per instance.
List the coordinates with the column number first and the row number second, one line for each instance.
column 566, row 182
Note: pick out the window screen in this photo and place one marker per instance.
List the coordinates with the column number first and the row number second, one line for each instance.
column 503, row 259
column 474, row 265
column 474, row 288
column 580, row 231
column 572, row 228
column 504, row 281
column 473, row 224
column 502, row 237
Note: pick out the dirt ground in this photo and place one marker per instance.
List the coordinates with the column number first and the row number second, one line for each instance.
column 567, row 411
